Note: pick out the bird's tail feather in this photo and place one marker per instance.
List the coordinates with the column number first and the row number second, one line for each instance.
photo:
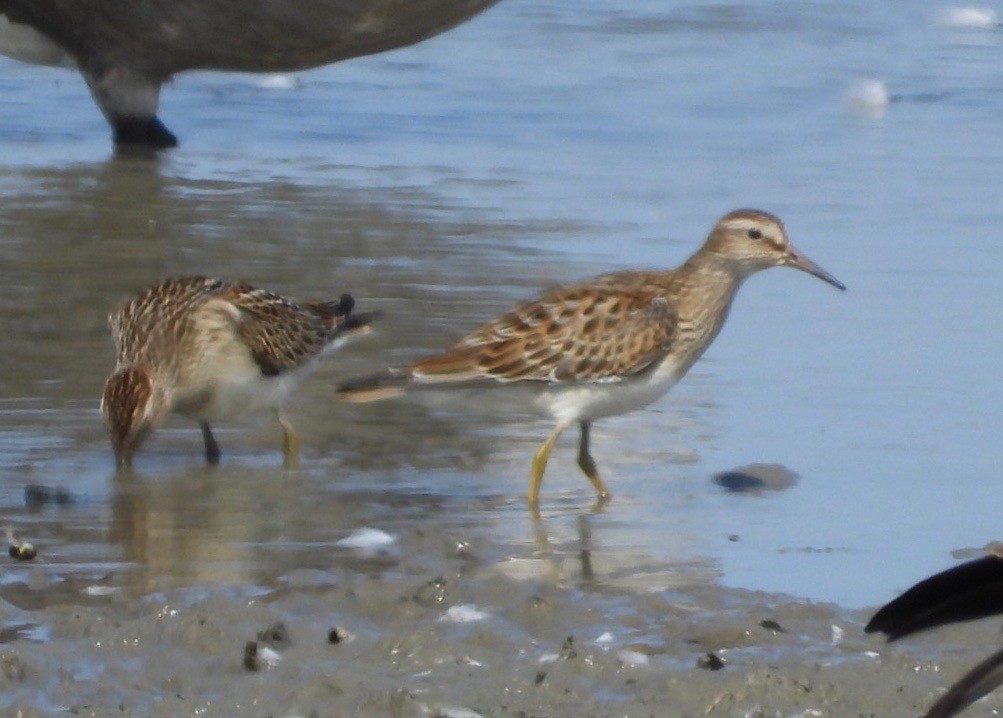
column 963, row 593
column 357, row 323
column 374, row 387
column 340, row 307
column 342, row 321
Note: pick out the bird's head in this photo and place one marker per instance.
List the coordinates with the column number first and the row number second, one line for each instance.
column 754, row 240
column 133, row 405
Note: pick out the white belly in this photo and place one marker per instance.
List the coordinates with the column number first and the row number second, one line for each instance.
column 585, row 402
column 234, row 398
column 229, row 384
column 27, row 44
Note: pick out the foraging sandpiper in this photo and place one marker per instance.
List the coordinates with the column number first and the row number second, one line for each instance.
column 213, row 349
column 608, row 345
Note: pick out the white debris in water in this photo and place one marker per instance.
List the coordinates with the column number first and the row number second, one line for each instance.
column 969, row 18
column 837, row 635
column 604, row 639
column 549, row 658
column 464, row 613
column 453, row 712
column 633, row 658
column 101, row 590
column 367, row 539
column 279, row 82
column 268, row 657
column 869, row 98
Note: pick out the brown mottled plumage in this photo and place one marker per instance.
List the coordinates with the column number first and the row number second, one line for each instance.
column 610, row 344
column 212, row 349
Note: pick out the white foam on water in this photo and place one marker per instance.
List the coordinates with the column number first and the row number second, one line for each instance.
column 369, row 539
column 969, row 18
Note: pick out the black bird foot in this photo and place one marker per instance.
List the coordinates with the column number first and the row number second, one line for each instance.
column 145, row 132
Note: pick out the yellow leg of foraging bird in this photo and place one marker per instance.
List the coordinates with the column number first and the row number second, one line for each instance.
column 588, row 464
column 290, row 443
column 540, row 465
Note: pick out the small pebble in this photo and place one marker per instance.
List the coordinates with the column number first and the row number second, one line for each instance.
column 772, row 626
column 22, row 551
column 36, row 496
column 275, row 635
column 710, row 662
column 432, row 593
column 257, row 657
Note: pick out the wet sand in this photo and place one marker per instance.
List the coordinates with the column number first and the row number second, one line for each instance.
column 429, row 621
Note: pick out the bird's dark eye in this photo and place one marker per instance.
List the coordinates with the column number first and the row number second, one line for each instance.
column 755, row 234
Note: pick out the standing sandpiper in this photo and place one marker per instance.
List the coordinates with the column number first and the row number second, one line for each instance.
column 213, row 349
column 609, row 345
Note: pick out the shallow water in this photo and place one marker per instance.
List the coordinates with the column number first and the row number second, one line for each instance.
column 541, row 142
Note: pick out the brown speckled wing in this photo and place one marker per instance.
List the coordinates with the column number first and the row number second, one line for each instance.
column 281, row 335
column 148, row 325
column 166, row 324
column 589, row 333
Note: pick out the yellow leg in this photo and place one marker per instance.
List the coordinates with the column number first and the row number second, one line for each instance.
column 540, row 465
column 588, row 464
column 290, row 443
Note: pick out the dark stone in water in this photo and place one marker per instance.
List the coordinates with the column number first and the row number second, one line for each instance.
column 756, row 478
column 770, row 625
column 37, row 496
column 710, row 662
column 275, row 635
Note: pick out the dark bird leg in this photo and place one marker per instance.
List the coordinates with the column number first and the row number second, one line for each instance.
column 129, row 103
column 212, row 452
column 588, row 465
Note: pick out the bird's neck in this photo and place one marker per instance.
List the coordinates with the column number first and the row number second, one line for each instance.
column 706, row 285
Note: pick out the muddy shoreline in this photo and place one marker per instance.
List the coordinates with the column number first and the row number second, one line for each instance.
column 427, row 622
